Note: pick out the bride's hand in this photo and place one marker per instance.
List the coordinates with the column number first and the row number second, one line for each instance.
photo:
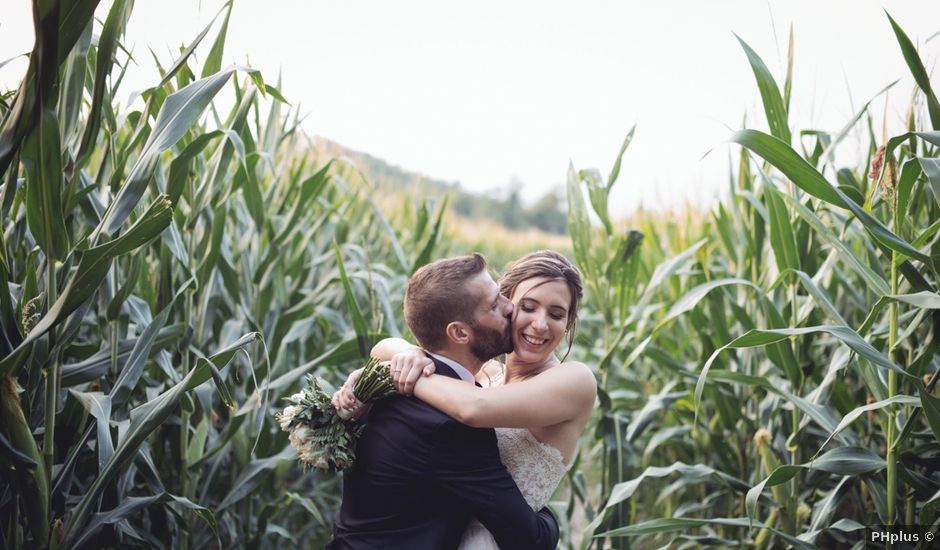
column 344, row 398
column 407, row 367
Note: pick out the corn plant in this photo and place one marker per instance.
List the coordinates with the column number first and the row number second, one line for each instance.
column 788, row 362
column 147, row 251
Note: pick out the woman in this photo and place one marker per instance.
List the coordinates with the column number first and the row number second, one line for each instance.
column 538, row 403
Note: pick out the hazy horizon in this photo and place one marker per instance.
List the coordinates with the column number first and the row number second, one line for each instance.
column 488, row 93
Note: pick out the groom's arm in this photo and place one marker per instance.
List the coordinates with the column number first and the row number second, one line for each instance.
column 467, row 466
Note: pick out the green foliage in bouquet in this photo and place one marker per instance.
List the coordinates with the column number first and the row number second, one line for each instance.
column 323, row 438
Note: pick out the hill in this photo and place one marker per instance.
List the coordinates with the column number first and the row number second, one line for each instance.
column 547, row 213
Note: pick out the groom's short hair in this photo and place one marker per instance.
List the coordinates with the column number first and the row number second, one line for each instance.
column 438, row 295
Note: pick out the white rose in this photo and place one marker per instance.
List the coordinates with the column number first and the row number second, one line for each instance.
column 298, row 437
column 315, row 458
column 287, row 416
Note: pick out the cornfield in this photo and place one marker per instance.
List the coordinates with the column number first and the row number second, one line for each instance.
column 766, row 370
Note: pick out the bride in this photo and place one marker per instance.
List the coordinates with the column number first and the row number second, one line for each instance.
column 538, row 403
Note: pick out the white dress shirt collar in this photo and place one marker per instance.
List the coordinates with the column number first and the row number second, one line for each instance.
column 461, row 371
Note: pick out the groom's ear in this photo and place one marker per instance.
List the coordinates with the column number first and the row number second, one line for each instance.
column 458, row 333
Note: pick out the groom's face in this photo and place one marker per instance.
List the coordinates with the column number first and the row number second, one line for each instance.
column 492, row 332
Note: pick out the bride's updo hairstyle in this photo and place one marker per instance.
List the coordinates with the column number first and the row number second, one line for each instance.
column 554, row 267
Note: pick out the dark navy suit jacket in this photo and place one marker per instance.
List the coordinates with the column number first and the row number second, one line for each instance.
column 420, row 476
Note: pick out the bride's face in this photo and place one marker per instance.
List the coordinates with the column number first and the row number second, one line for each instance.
column 540, row 317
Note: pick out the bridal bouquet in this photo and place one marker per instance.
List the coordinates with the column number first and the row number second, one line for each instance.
column 324, row 437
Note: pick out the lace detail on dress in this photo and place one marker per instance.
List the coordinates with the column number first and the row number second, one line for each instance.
column 537, row 468
column 491, row 374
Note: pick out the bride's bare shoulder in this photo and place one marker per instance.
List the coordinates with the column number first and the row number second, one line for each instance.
column 578, row 366
column 580, row 374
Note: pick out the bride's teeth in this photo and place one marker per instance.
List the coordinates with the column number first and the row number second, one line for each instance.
column 533, row 341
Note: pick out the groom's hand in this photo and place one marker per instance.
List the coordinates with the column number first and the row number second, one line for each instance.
column 407, row 366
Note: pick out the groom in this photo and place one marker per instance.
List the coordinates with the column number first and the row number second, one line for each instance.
column 420, row 475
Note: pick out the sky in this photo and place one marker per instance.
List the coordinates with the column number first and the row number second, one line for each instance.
column 489, row 93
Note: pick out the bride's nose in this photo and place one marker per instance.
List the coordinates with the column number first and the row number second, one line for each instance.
column 539, row 323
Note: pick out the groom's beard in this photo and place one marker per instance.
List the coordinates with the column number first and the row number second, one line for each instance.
column 488, row 343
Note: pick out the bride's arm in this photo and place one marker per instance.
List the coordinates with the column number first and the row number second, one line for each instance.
column 408, row 362
column 386, row 348
column 556, row 395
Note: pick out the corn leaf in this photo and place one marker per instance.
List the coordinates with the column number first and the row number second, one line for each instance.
column 931, row 406
column 99, row 406
column 669, row 525
column 359, row 322
column 831, row 148
column 214, row 60
column 662, row 272
column 99, row 364
column 143, row 346
column 579, row 225
column 92, row 269
column 597, row 193
column 253, row 475
column 770, row 94
column 433, row 239
column 782, row 237
column 42, row 156
column 808, row 179
column 134, row 505
column 916, row 66
column 818, row 294
column 179, row 112
column 691, row 298
column 144, row 420
column 114, row 27
column 875, row 281
column 73, row 20
column 928, row 513
column 931, row 168
column 615, row 171
column 853, row 415
column 820, row 414
column 759, row 338
column 843, row 461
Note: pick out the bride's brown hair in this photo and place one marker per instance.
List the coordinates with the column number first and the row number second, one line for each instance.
column 554, row 267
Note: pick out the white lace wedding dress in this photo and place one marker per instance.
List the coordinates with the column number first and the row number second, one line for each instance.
column 537, row 469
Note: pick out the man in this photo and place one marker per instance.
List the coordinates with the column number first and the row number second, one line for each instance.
column 420, row 475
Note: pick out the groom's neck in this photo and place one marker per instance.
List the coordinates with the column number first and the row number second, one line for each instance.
column 465, row 358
